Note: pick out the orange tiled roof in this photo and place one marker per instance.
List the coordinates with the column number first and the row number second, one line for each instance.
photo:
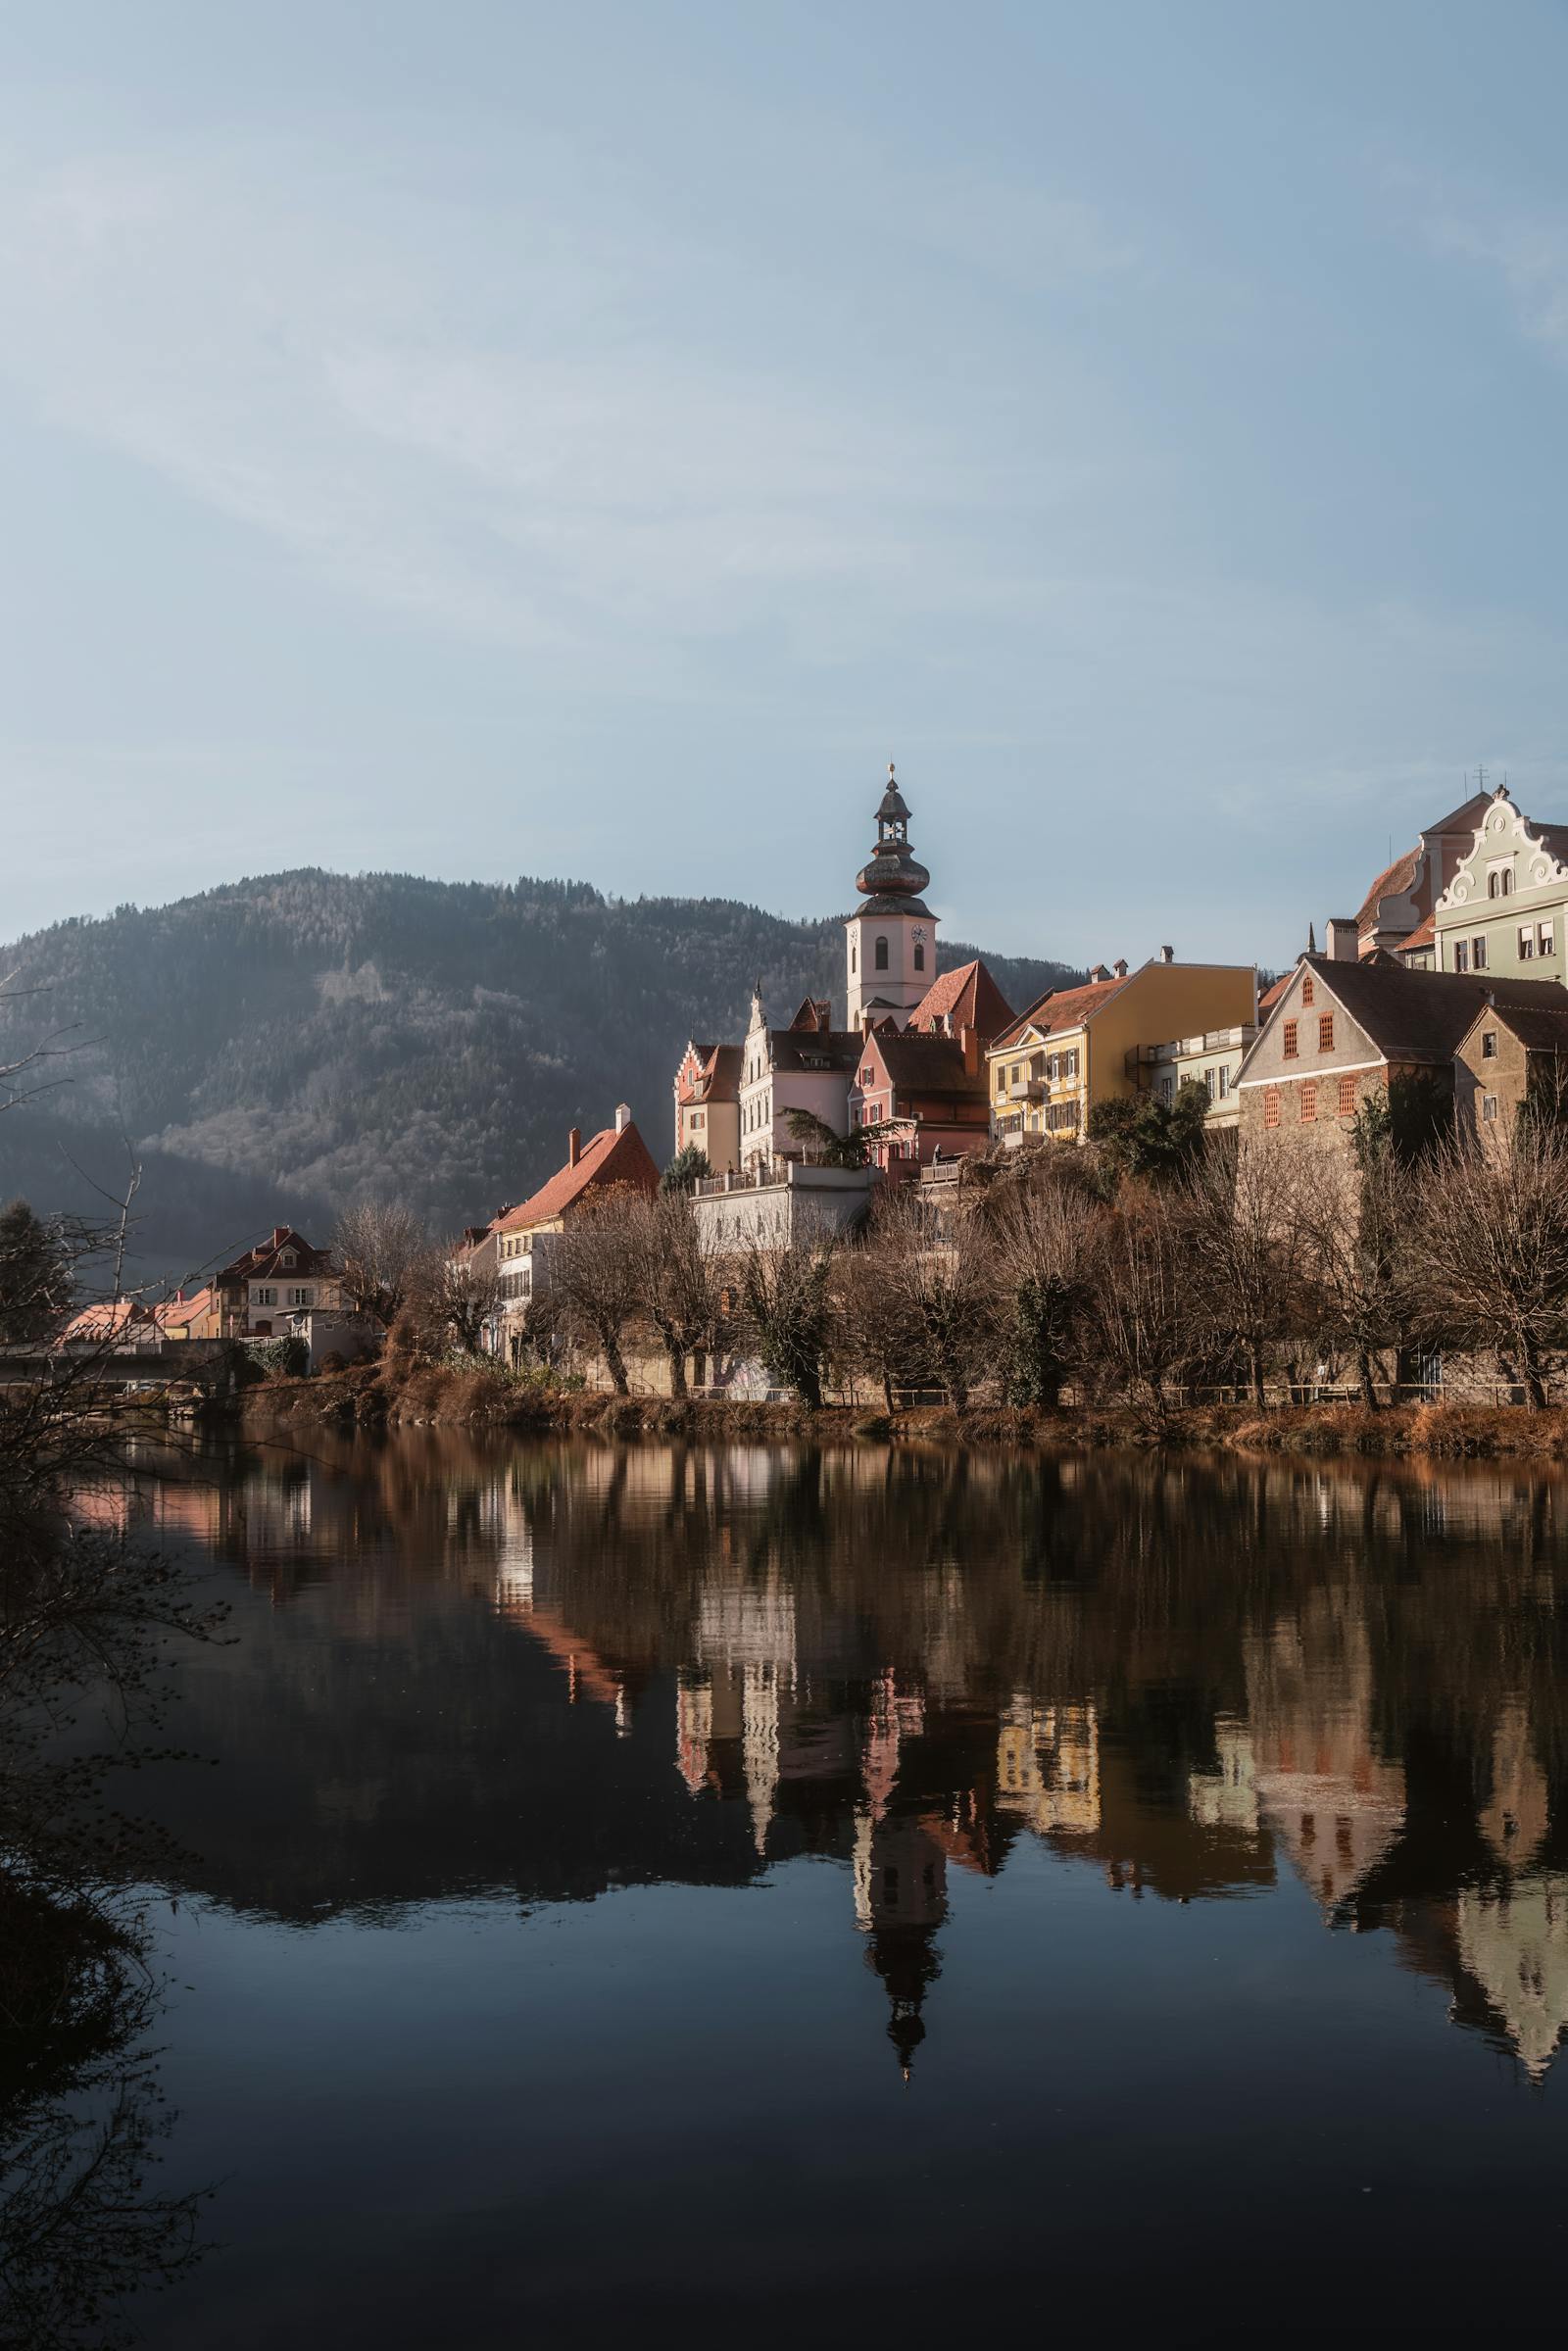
column 609, row 1158
column 965, row 999
column 1063, row 1009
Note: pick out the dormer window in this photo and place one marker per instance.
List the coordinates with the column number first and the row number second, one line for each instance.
column 288, row 1258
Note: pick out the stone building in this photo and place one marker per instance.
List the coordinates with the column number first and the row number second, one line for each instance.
column 1510, row 1055
column 1342, row 1031
column 283, row 1275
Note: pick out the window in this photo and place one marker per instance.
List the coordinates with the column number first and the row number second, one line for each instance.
column 1212, row 1081
column 1292, row 1047
column 298, row 1297
column 1489, row 1106
column 1346, row 1097
column 919, row 957
column 1545, row 944
column 288, row 1258
column 1325, row 1033
column 1527, row 943
column 1307, row 992
column 1309, row 1103
column 1164, row 1088
column 1478, row 955
column 1224, row 1083
column 1461, row 955
column 266, row 1297
column 852, row 959
column 1489, row 1045
column 881, row 955
column 1271, row 1105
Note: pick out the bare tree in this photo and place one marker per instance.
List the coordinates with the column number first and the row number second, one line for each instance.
column 871, row 1338
column 383, row 1248
column 1046, row 1237
column 940, row 1285
column 1247, row 1216
column 675, row 1276
column 593, row 1272
column 1142, row 1317
column 452, row 1294
column 1488, row 1237
column 1354, row 1252
column 786, row 1290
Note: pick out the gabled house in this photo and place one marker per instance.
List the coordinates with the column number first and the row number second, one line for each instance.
column 527, row 1236
column 965, row 998
column 1077, row 1046
column 1510, row 1055
column 931, row 1085
column 708, row 1103
column 1342, row 1031
column 1405, row 893
column 281, row 1275
column 1505, row 906
column 807, row 1066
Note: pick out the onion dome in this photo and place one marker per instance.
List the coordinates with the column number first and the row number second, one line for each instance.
column 892, row 872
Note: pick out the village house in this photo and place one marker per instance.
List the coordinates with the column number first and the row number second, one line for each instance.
column 1503, row 911
column 1398, row 906
column 708, row 1103
column 1077, row 1046
column 806, row 1067
column 1510, row 1055
column 282, row 1275
column 1342, row 1031
column 527, row 1236
column 930, row 1087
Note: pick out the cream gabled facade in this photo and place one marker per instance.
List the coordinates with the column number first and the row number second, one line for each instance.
column 807, row 1066
column 1505, row 906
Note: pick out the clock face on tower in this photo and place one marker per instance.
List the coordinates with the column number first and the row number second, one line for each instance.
column 919, row 931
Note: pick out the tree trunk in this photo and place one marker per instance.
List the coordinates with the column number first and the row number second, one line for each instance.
column 677, row 1367
column 1535, row 1385
column 887, row 1390
column 615, row 1361
column 1255, row 1356
column 1363, row 1373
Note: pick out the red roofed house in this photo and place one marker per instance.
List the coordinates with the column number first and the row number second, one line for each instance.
column 967, row 998
column 1405, row 893
column 525, row 1236
column 280, row 1276
column 932, row 1086
column 708, row 1103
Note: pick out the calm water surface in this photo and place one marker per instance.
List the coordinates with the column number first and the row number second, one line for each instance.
column 646, row 1891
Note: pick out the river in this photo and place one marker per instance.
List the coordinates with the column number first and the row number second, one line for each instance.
column 631, row 1893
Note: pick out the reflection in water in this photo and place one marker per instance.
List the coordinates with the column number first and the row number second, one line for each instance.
column 555, row 1670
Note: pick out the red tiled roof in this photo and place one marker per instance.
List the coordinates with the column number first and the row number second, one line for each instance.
column 1063, row 1009
column 1424, row 935
column 1392, row 879
column 609, row 1158
column 965, row 999
column 719, row 1079
column 1271, row 995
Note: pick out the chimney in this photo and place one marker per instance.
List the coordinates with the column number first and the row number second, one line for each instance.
column 1167, row 954
column 574, row 1145
column 280, row 1235
column 970, row 1042
column 1119, row 967
column 622, row 1118
column 1098, row 972
column 1343, row 945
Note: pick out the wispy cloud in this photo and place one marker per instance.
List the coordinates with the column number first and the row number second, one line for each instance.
column 476, row 415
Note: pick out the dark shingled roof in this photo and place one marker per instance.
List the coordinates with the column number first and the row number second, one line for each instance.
column 885, row 902
column 1423, row 1015
column 928, row 1064
column 815, row 1048
column 1540, row 1028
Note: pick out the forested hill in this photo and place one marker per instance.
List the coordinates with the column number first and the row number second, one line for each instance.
column 285, row 1046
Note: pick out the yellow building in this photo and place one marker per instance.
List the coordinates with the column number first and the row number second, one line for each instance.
column 1082, row 1046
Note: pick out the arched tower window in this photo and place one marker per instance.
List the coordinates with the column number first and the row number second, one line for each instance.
column 881, row 955
column 919, row 959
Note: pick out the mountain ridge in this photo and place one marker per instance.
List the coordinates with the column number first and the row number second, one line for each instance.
column 287, row 1044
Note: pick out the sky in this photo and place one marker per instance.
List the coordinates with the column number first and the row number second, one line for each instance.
column 489, row 438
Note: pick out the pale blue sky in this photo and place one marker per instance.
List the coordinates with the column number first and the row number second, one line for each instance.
column 488, row 438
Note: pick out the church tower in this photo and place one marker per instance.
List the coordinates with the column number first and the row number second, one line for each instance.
column 891, row 938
